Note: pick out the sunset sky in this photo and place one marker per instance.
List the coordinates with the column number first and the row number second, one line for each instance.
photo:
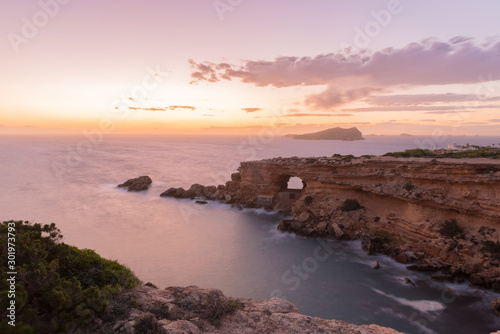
column 234, row 66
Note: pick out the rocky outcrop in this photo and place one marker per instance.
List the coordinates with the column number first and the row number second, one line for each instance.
column 331, row 134
column 403, row 204
column 179, row 310
column 196, row 190
column 138, row 184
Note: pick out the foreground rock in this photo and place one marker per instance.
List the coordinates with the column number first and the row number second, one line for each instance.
column 138, row 184
column 402, row 204
column 178, row 310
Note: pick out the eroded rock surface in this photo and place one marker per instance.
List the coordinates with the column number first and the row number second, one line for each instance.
column 138, row 184
column 191, row 310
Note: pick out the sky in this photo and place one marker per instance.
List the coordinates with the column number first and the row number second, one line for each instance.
column 236, row 66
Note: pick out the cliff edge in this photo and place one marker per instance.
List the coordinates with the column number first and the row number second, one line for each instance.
column 191, row 310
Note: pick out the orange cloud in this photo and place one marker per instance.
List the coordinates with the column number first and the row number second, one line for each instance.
column 251, row 109
column 181, row 107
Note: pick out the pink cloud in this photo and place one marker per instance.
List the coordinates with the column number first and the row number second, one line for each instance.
column 430, row 62
column 426, row 99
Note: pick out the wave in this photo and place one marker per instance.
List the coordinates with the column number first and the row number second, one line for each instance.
column 419, row 305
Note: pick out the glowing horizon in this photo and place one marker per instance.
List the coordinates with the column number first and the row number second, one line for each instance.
column 385, row 67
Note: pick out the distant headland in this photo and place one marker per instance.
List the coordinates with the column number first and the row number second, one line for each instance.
column 331, row 134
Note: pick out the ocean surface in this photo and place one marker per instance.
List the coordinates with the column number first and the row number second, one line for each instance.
column 71, row 180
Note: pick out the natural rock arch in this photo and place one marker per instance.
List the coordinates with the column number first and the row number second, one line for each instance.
column 288, row 182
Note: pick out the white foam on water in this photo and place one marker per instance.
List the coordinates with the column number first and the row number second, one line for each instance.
column 419, row 305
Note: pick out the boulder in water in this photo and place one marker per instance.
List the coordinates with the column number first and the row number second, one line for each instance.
column 138, row 184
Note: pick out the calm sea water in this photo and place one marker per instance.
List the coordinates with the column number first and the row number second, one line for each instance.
column 72, row 182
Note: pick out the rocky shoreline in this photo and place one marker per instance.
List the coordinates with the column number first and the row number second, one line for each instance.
column 191, row 310
column 402, row 207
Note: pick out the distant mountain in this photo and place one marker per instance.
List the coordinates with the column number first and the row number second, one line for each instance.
column 331, row 134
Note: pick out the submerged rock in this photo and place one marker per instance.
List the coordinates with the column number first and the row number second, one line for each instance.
column 138, row 184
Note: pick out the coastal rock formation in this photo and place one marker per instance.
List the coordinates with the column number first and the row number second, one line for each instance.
column 193, row 310
column 196, row 190
column 331, row 134
column 400, row 207
column 138, row 184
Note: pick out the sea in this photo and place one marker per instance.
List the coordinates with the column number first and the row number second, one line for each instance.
column 71, row 181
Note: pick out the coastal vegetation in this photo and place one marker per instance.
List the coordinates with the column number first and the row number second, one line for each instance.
column 456, row 152
column 409, row 186
column 59, row 288
column 350, row 205
column 492, row 247
column 308, row 199
column 450, row 228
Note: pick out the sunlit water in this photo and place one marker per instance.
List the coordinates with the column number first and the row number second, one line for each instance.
column 176, row 242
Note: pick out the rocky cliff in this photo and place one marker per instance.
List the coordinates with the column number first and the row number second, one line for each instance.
column 403, row 206
column 191, row 310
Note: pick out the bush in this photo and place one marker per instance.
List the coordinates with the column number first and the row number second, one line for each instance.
column 308, row 200
column 147, row 324
column 417, row 152
column 491, row 247
column 450, row 228
column 350, row 205
column 59, row 288
column 211, row 307
column 348, row 158
column 217, row 306
column 409, row 186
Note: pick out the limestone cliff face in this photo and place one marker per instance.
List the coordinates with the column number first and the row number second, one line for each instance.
column 414, row 190
column 404, row 205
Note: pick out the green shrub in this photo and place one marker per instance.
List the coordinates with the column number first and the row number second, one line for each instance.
column 211, row 308
column 147, row 324
column 60, row 288
column 491, row 247
column 348, row 158
column 350, row 205
column 409, row 186
column 418, row 153
column 217, row 306
column 308, row 200
column 450, row 228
